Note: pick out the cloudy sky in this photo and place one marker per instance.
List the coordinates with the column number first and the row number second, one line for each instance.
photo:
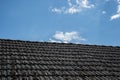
column 67, row 21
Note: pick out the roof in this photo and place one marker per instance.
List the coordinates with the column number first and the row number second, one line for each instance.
column 27, row 60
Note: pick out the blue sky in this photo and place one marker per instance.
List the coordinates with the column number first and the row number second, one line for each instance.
column 77, row 21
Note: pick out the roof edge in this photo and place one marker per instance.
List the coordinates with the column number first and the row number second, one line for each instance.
column 59, row 43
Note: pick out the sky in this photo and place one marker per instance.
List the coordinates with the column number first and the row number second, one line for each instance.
column 95, row 22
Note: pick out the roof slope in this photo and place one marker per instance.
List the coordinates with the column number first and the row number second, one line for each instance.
column 25, row 60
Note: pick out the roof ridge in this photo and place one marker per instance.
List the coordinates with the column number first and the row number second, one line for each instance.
column 30, row 41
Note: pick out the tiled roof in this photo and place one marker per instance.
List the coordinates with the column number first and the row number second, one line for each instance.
column 27, row 60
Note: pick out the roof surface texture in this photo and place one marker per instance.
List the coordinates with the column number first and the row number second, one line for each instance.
column 26, row 60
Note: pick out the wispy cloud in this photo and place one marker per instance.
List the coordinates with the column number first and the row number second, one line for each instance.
column 57, row 10
column 117, row 15
column 73, row 8
column 104, row 12
column 85, row 4
column 67, row 37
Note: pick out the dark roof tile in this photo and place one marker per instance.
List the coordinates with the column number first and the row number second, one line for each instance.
column 27, row 60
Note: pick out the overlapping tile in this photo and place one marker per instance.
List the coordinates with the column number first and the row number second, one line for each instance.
column 26, row 60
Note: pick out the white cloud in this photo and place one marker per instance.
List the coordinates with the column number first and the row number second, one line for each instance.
column 56, row 10
column 117, row 15
column 52, row 40
column 118, row 11
column 86, row 4
column 118, row 1
column 66, row 37
column 73, row 8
